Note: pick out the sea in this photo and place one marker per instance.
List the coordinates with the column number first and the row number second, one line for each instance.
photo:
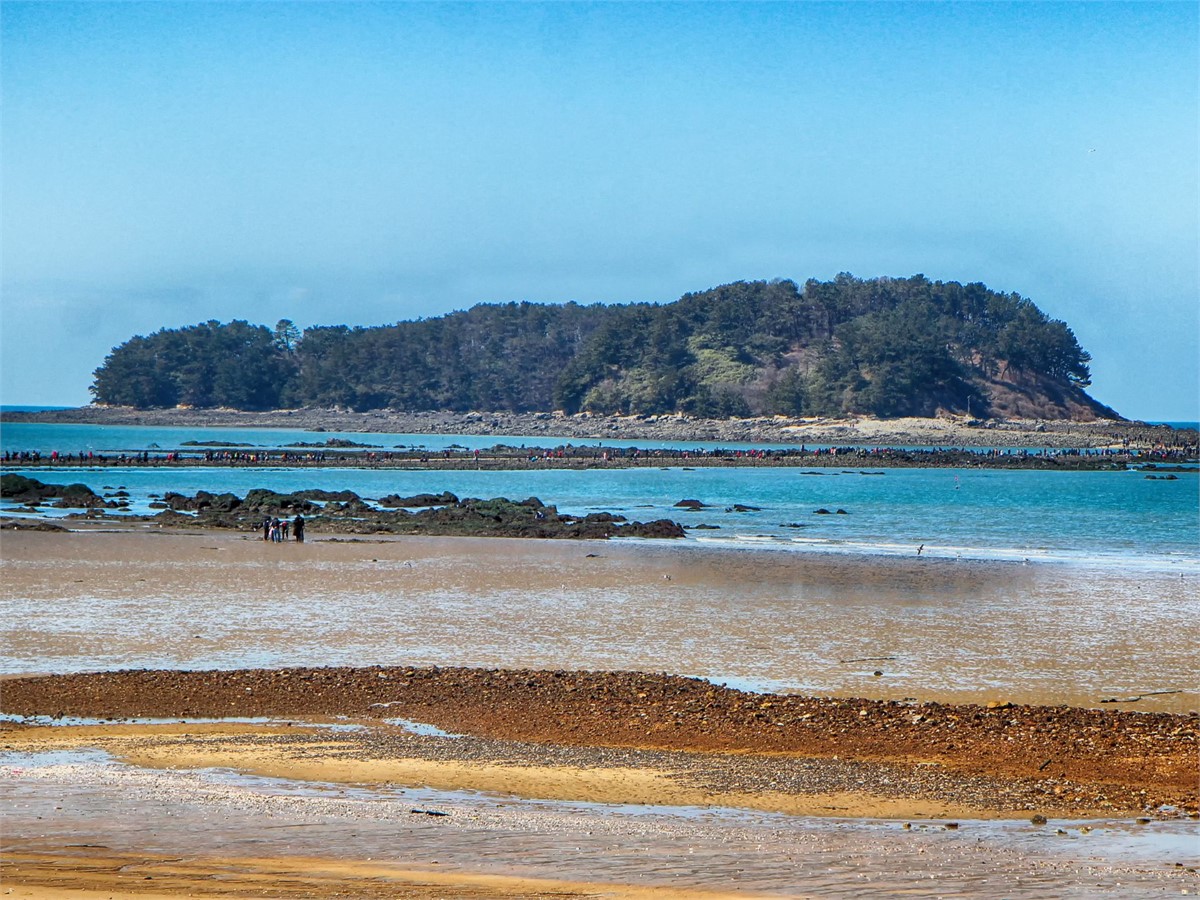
column 1138, row 518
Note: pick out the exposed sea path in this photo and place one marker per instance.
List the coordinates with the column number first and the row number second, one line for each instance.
column 112, row 440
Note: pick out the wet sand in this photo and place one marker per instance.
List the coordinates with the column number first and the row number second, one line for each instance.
column 50, row 875
column 310, row 811
column 532, row 615
column 935, row 629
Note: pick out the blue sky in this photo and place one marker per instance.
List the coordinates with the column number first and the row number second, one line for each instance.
column 165, row 164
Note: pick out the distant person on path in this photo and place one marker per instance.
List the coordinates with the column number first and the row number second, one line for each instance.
column 298, row 529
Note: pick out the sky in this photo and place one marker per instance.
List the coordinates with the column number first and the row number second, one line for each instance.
column 164, row 164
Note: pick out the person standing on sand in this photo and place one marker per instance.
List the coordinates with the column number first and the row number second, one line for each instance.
column 266, row 528
column 298, row 529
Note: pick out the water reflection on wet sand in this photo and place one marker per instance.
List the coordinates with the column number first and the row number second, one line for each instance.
column 949, row 630
column 88, row 799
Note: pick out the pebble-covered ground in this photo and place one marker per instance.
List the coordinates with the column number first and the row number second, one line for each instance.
column 1056, row 760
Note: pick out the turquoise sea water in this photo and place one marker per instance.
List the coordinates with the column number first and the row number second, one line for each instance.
column 1102, row 518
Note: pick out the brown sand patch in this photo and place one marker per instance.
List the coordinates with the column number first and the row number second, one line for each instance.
column 32, row 873
column 174, row 747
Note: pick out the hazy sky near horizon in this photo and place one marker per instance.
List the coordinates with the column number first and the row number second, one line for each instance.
column 363, row 163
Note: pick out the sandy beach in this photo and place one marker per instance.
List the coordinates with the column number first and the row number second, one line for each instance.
column 519, row 663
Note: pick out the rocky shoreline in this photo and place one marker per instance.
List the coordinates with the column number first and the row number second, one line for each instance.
column 1056, row 760
column 343, row 512
column 864, row 431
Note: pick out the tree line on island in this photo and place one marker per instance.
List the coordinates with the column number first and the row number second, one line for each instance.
column 881, row 346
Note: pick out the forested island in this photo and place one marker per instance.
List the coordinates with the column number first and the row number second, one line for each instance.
column 882, row 346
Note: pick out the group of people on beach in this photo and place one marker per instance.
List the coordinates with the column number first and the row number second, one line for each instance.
column 276, row 529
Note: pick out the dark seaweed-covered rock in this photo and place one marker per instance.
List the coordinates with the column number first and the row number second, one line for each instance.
column 68, row 496
column 75, row 496
column 350, row 514
column 337, row 443
column 418, row 500
column 173, row 517
column 203, row 500
column 501, row 517
column 691, row 504
column 18, row 487
column 30, row 525
column 659, row 528
column 316, row 494
column 355, row 508
column 264, row 501
column 603, row 517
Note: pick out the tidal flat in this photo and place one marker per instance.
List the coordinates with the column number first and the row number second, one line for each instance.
column 262, row 727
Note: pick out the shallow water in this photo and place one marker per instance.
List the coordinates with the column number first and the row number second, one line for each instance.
column 85, row 797
column 1113, row 520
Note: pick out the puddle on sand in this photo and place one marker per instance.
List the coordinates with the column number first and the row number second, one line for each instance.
column 73, row 721
column 83, row 796
column 338, row 724
column 16, row 763
column 421, row 728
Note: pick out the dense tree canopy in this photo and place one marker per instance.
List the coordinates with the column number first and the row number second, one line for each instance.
column 884, row 346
